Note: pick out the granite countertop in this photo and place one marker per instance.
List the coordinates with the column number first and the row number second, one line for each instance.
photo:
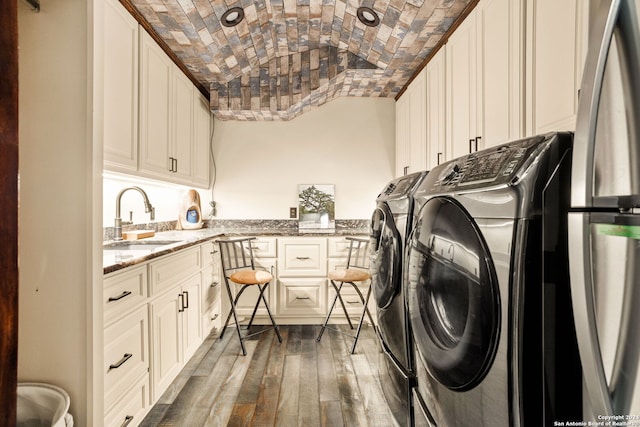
column 167, row 242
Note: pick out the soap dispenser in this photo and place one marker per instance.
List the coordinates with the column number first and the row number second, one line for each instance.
column 190, row 212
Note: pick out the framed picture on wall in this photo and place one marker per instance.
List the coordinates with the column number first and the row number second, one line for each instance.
column 316, row 206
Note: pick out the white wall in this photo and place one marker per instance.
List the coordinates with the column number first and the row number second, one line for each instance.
column 56, row 205
column 348, row 142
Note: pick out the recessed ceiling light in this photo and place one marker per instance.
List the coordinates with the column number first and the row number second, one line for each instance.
column 232, row 17
column 367, row 16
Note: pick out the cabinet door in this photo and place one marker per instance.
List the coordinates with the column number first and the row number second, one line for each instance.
column 418, row 123
column 120, row 77
column 555, row 57
column 166, row 338
column 461, row 88
column 435, row 110
column 182, row 123
column 499, row 76
column 402, row 135
column 201, row 140
column 155, row 102
column 191, row 326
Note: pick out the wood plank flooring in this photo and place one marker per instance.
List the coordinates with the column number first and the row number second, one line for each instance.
column 298, row 382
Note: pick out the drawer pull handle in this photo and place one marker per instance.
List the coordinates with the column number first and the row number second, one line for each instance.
column 119, row 297
column 302, row 258
column 213, row 284
column 181, row 309
column 120, row 362
column 303, row 297
column 353, row 302
column 127, row 420
column 186, row 299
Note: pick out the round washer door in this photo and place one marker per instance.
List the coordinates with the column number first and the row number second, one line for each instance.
column 386, row 260
column 453, row 294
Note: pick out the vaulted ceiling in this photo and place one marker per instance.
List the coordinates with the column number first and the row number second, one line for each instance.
column 287, row 56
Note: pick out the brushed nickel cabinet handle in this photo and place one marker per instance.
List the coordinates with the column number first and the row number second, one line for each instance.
column 302, row 258
column 303, row 297
column 127, row 420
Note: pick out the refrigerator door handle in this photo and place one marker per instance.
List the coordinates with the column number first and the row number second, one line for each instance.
column 582, row 295
column 601, row 34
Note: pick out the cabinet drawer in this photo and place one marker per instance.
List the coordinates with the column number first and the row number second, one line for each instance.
column 351, row 300
column 264, row 247
column 211, row 287
column 126, row 353
column 338, row 247
column 303, row 297
column 132, row 407
column 211, row 318
column 123, row 291
column 172, row 269
column 302, row 257
column 209, row 252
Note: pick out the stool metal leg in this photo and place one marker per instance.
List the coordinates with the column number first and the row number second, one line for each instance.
column 235, row 317
column 273, row 322
column 333, row 304
column 344, row 307
column 365, row 301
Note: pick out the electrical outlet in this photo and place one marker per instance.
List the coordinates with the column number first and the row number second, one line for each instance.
column 293, row 212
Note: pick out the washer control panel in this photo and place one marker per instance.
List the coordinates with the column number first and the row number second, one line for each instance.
column 493, row 166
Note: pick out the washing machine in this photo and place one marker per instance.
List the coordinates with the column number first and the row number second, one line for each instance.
column 487, row 286
column 390, row 226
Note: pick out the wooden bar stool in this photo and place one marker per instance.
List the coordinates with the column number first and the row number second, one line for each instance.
column 238, row 268
column 356, row 271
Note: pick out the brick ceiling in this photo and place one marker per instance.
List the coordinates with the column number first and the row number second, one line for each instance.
column 288, row 56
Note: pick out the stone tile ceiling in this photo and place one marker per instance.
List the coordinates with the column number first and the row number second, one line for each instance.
column 288, row 56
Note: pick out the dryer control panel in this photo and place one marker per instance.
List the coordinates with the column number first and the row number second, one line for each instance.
column 498, row 165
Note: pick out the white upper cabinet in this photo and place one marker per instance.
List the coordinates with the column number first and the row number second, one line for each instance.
column 500, row 40
column 402, row 135
column 156, row 124
column 556, row 49
column 120, row 79
column 461, row 88
column 155, row 112
column 183, row 126
column 435, row 110
column 484, row 78
column 202, row 140
column 411, row 128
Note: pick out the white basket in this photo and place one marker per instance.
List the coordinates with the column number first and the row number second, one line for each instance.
column 41, row 405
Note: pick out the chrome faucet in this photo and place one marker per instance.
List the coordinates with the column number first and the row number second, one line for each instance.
column 147, row 208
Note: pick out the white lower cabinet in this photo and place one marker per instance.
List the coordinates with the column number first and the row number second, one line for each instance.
column 126, row 346
column 176, row 331
column 302, row 278
column 126, row 355
column 156, row 315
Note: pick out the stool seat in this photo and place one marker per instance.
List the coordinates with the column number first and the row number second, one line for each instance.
column 349, row 275
column 251, row 277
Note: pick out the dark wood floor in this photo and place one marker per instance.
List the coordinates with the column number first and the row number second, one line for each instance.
column 298, row 382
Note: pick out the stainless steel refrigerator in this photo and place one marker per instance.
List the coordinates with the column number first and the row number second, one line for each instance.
column 604, row 220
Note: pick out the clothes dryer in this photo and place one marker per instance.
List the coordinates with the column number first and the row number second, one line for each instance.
column 390, row 226
column 488, row 289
